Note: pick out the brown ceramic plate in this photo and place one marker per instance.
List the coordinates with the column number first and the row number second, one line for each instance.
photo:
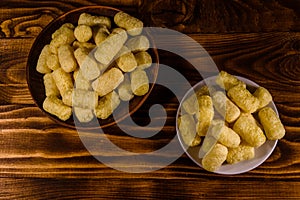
column 35, row 79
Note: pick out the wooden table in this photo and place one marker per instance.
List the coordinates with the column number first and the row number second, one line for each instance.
column 257, row 39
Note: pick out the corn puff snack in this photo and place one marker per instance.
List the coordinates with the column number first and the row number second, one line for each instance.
column 190, row 105
column 187, row 128
column 62, row 30
column 246, row 126
column 83, row 33
column 109, row 48
column 91, row 20
column 139, row 82
column 227, row 81
column 263, row 95
column 138, row 43
column 67, row 97
column 66, row 58
column 131, row 24
column 88, row 65
column 100, row 34
column 65, row 35
column 226, row 135
column 240, row 153
column 205, row 114
column 126, row 61
column 52, row 61
column 271, row 123
column 124, row 89
column 80, row 81
column 42, row 60
column 55, row 106
column 243, row 98
column 83, row 115
column 63, row 80
column 84, row 99
column 143, row 59
column 213, row 160
column 109, row 81
column 107, row 105
column 225, row 106
column 50, row 86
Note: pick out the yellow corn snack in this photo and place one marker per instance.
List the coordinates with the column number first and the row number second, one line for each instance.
column 139, row 82
column 143, row 59
column 187, row 129
column 107, row 105
column 65, row 35
column 88, row 65
column 205, row 114
column 243, row 98
column 83, row 33
column 50, row 86
column 80, row 81
column 91, row 20
column 66, row 58
column 213, row 160
column 84, row 99
column 100, row 34
column 67, row 98
column 62, row 30
column 240, row 153
column 227, row 81
column 138, row 43
column 126, row 61
column 190, row 104
column 108, row 81
column 246, row 126
column 83, row 115
column 109, row 48
column 263, row 95
column 124, row 89
column 52, row 61
column 131, row 24
column 42, row 60
column 225, row 106
column 225, row 135
column 63, row 80
column 55, row 106
column 271, row 123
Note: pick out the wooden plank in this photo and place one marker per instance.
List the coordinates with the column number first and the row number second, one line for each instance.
column 215, row 16
column 29, row 18
column 194, row 16
column 144, row 188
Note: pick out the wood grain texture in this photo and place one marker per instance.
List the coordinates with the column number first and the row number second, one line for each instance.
column 257, row 39
column 217, row 16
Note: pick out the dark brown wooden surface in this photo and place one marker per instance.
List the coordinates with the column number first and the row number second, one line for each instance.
column 257, row 39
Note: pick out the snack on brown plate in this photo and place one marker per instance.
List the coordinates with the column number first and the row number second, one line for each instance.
column 240, row 121
column 84, row 63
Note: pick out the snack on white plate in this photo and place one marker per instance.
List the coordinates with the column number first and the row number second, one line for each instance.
column 247, row 127
column 215, row 158
column 243, row 121
column 84, row 65
column 271, row 123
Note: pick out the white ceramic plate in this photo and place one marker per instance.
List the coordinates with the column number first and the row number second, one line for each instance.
column 261, row 153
